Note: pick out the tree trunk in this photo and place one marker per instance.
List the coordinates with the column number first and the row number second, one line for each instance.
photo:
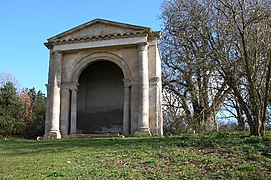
column 241, row 120
column 255, row 126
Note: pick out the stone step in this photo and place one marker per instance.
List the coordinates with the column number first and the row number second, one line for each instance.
column 93, row 135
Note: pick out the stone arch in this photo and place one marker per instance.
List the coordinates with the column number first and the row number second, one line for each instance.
column 85, row 117
column 84, row 62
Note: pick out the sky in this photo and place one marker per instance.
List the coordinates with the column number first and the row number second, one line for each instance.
column 26, row 24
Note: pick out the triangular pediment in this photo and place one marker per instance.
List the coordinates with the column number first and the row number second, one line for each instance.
column 99, row 28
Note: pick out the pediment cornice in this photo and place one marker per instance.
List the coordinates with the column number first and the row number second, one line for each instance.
column 99, row 29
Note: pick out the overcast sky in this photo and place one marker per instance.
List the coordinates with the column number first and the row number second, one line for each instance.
column 26, row 24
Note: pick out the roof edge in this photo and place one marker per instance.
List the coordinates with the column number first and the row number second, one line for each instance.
column 96, row 21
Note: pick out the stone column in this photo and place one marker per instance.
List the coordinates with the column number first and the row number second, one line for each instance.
column 65, row 110
column 55, row 80
column 74, row 90
column 49, row 95
column 126, row 108
column 143, row 118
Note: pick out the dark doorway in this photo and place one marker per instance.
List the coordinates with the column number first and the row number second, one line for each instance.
column 100, row 99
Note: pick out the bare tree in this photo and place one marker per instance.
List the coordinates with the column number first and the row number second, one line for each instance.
column 6, row 77
column 189, row 70
column 225, row 43
column 247, row 70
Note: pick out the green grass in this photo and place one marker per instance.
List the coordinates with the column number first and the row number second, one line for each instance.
column 208, row 156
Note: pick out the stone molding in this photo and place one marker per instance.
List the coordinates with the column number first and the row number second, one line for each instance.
column 71, row 86
column 97, row 38
column 48, row 86
column 102, row 43
column 134, row 81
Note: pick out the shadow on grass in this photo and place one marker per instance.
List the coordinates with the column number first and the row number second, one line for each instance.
column 210, row 140
column 24, row 147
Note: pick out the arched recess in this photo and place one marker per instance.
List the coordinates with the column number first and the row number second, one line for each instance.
column 83, row 63
column 100, row 97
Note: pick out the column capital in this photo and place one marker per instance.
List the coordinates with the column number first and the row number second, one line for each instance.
column 127, row 83
column 48, row 85
column 154, row 80
column 74, row 86
column 142, row 46
column 55, row 52
column 71, row 86
column 58, row 54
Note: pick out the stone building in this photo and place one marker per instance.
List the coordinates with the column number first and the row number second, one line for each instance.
column 104, row 77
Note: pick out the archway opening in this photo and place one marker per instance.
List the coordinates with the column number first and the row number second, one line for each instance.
column 100, row 99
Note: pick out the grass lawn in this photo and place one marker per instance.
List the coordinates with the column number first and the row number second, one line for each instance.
column 208, row 156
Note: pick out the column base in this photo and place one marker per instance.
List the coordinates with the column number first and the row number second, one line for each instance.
column 125, row 133
column 142, row 132
column 52, row 135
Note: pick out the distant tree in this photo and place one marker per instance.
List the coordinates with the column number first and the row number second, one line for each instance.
column 34, row 113
column 28, row 113
column 10, row 103
column 21, row 114
column 11, row 111
column 6, row 77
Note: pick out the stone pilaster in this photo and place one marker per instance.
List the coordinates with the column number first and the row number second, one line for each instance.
column 126, row 106
column 159, row 91
column 154, row 101
column 143, row 106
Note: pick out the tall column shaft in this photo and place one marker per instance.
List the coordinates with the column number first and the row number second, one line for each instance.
column 65, row 110
column 143, row 119
column 55, row 81
column 48, row 111
column 55, row 107
column 74, row 90
column 126, row 108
